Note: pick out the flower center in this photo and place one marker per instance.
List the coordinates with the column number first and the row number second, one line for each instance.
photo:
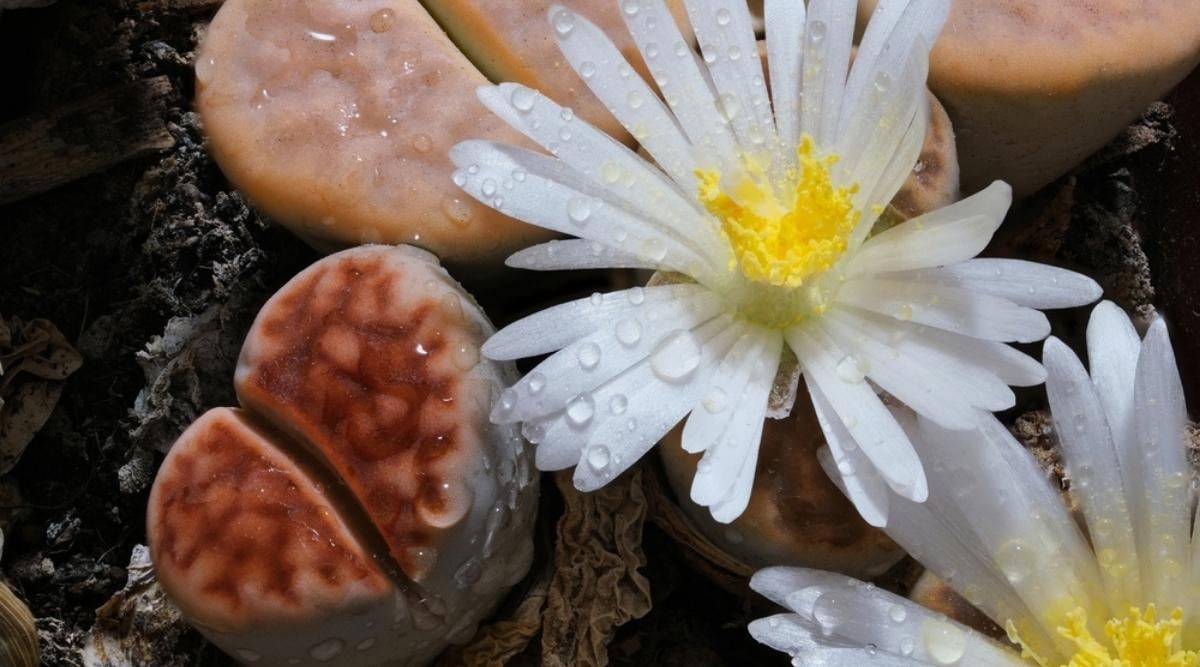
column 781, row 238
column 1139, row 639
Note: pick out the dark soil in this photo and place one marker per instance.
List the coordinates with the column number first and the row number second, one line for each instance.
column 154, row 269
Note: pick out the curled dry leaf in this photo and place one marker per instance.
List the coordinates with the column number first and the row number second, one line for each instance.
column 597, row 586
column 138, row 625
column 35, row 359
column 18, row 635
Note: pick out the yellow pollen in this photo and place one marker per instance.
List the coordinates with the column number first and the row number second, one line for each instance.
column 782, row 240
column 1138, row 640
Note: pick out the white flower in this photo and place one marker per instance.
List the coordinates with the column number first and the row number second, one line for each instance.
column 1126, row 587
column 766, row 207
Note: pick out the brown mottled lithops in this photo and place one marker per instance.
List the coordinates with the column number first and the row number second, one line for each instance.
column 359, row 509
column 1036, row 86
column 335, row 119
column 796, row 516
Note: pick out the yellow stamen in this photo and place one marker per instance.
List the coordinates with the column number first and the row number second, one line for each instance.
column 1138, row 640
column 782, row 241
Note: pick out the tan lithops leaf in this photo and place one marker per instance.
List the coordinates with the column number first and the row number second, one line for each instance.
column 796, row 515
column 1036, row 86
column 335, row 119
column 361, row 509
column 512, row 42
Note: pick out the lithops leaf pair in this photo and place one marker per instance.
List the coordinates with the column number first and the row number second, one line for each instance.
column 335, row 118
column 1036, row 86
column 359, row 508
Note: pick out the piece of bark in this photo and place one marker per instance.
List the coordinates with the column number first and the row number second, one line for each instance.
column 597, row 584
column 44, row 150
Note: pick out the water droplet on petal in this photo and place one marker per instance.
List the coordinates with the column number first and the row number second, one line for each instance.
column 579, row 209
column 564, row 22
column 522, row 99
column 629, row 331
column 654, row 248
column 851, row 369
column 816, row 31
column 536, row 382
column 945, row 643
column 637, row 296
column 723, row 17
column 883, row 81
column 1016, row 560
column 580, row 409
column 715, row 400
column 618, row 404
column 488, row 187
column 729, row 106
column 587, row 69
column 631, row 7
column 598, row 457
column 897, row 613
column 635, row 100
column 677, row 357
column 588, row 355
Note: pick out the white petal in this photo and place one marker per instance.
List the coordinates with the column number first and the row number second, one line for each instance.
column 958, row 310
column 847, row 466
column 625, row 93
column 861, row 412
column 937, row 393
column 1113, row 348
column 1091, row 460
column 885, row 105
column 558, row 326
column 847, row 618
column 726, row 36
column 1024, row 283
column 785, row 54
column 679, row 76
column 655, row 401
column 912, row 245
column 894, row 29
column 706, row 424
column 550, row 194
column 726, row 473
column 828, row 33
column 602, row 355
column 1162, row 470
column 575, row 254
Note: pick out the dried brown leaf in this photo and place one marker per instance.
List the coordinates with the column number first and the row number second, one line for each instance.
column 597, row 585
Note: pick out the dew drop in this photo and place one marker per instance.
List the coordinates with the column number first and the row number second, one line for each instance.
column 533, row 432
column 851, row 369
column 816, row 32
column 1016, row 560
column 536, row 382
column 826, row 612
column 597, row 299
column 723, row 17
column 519, row 175
column 465, row 356
column 906, row 646
column 610, row 172
column 327, row 650
column 488, row 187
column 564, row 22
column 846, row 467
column 897, row 613
column 635, row 100
column 522, row 99
column 944, row 643
column 382, row 20
column 422, row 143
column 654, row 248
column 629, row 331
column 579, row 209
column 587, row 69
column 729, row 106
column 652, row 50
column 580, row 409
column 883, row 81
column 637, row 296
column 716, row 400
column 588, row 355
column 618, row 404
column 681, row 49
column 677, row 357
column 631, row 7
column 735, row 54
column 460, row 178
column 598, row 457
column 904, row 312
